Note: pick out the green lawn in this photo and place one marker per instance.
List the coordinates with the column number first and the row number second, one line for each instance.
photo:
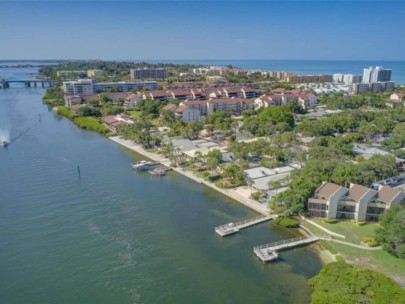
column 353, row 232
column 137, row 114
column 378, row 260
column 134, row 114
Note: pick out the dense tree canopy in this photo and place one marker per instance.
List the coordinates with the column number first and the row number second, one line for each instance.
column 392, row 233
column 339, row 283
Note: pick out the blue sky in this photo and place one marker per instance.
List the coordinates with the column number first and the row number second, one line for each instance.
column 202, row 30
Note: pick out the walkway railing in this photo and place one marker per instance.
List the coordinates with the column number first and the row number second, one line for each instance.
column 230, row 225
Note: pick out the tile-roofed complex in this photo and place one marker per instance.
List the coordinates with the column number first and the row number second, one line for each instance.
column 282, row 96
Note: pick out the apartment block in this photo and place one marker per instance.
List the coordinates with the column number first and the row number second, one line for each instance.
column 376, row 74
column 88, row 86
column 147, row 73
column 357, row 202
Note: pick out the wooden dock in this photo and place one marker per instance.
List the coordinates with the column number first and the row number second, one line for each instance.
column 231, row 228
column 268, row 252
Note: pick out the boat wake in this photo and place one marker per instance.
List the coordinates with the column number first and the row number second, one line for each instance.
column 4, row 137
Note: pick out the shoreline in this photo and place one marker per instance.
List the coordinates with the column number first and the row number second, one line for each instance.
column 257, row 207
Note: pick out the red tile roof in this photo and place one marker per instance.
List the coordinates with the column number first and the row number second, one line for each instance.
column 195, row 102
column 109, row 119
column 225, row 100
column 169, row 107
column 181, row 109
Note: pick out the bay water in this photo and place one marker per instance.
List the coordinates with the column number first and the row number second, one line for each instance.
column 112, row 235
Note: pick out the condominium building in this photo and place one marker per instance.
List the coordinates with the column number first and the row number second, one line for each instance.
column 187, row 114
column 375, row 74
column 78, row 87
column 357, row 202
column 351, row 78
column 282, row 96
column 147, row 73
column 87, row 86
column 358, row 88
column 309, row 78
column 338, row 78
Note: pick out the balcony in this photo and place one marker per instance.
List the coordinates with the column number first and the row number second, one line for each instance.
column 318, row 201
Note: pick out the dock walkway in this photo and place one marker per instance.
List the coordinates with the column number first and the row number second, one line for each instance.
column 268, row 252
column 232, row 228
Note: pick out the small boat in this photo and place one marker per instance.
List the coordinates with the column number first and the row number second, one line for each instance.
column 157, row 171
column 142, row 165
column 4, row 143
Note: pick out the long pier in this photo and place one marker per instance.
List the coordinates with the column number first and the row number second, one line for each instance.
column 5, row 84
column 232, row 228
column 268, row 252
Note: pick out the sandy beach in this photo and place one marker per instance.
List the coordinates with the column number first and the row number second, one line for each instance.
column 256, row 206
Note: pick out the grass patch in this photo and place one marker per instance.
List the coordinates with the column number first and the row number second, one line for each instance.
column 328, row 247
column 91, row 124
column 53, row 101
column 63, row 111
column 353, row 232
column 134, row 114
column 330, row 221
column 378, row 260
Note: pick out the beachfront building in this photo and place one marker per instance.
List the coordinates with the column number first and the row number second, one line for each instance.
column 376, row 74
column 309, row 78
column 347, row 78
column 360, row 203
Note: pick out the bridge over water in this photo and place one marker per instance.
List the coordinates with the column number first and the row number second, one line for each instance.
column 5, row 84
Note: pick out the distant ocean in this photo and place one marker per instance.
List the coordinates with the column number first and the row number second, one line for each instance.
column 294, row 66
column 305, row 66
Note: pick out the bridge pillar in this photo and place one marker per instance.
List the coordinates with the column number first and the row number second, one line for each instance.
column 35, row 84
column 27, row 84
column 43, row 84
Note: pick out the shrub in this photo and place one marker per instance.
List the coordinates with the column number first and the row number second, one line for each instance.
column 371, row 242
column 341, row 283
column 62, row 111
column 91, row 124
column 213, row 178
column 224, row 186
column 330, row 221
column 256, row 195
column 361, row 223
column 287, row 222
